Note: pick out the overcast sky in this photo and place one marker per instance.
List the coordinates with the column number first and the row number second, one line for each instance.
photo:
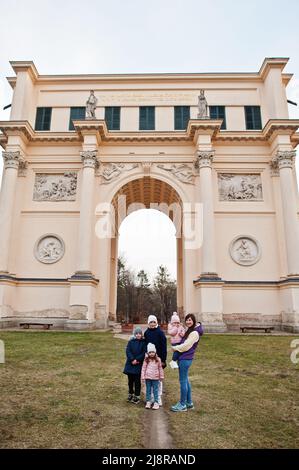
column 125, row 36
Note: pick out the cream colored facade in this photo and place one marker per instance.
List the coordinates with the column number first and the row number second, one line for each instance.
column 60, row 189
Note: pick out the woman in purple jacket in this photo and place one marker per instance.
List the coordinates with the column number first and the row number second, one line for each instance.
column 187, row 349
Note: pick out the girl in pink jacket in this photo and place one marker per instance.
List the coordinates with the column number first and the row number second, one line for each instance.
column 151, row 373
column 176, row 332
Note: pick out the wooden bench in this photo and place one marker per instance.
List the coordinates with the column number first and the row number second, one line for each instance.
column 266, row 328
column 46, row 326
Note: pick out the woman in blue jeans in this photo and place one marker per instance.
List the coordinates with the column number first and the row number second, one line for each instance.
column 187, row 349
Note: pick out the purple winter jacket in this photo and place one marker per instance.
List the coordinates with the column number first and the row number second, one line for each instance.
column 188, row 355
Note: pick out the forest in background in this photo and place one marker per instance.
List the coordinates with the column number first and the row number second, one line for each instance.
column 137, row 297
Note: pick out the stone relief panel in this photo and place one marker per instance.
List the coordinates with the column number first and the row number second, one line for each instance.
column 245, row 250
column 235, row 187
column 110, row 171
column 48, row 187
column 181, row 171
column 49, row 249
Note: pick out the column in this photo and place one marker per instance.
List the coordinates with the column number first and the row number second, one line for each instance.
column 285, row 161
column 86, row 226
column 113, row 277
column 180, row 277
column 289, row 289
column 209, row 284
column 83, row 282
column 204, row 160
column 12, row 160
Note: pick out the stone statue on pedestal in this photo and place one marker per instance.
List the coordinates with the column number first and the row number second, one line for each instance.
column 91, row 105
column 203, row 108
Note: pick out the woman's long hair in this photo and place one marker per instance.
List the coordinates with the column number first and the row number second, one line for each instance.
column 192, row 328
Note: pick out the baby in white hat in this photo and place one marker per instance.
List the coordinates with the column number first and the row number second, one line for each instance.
column 176, row 332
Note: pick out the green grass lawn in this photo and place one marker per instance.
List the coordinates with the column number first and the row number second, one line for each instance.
column 67, row 390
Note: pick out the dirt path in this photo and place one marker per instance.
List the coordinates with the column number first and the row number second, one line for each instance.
column 156, row 432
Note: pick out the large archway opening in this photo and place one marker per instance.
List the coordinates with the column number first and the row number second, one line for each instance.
column 147, row 267
column 148, row 215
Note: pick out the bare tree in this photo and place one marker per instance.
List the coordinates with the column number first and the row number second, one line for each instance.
column 137, row 298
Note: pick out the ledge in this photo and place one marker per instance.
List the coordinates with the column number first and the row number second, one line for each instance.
column 268, row 63
column 195, row 127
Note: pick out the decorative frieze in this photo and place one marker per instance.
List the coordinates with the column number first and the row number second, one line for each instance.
column 49, row 187
column 49, row 248
column 111, row 171
column 236, row 187
column 89, row 159
column 245, row 250
column 181, row 171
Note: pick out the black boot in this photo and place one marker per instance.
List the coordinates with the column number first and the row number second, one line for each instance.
column 136, row 400
column 130, row 397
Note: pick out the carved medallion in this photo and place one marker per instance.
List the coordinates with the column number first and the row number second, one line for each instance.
column 235, row 187
column 245, row 250
column 49, row 187
column 49, row 248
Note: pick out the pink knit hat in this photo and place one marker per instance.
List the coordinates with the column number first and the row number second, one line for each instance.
column 175, row 318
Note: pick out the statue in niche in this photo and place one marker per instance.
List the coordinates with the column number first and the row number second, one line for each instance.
column 203, row 108
column 91, row 105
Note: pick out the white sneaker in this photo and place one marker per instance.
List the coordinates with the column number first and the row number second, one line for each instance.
column 173, row 365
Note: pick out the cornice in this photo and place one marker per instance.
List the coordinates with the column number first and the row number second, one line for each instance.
column 24, row 66
column 273, row 62
column 268, row 63
column 194, row 128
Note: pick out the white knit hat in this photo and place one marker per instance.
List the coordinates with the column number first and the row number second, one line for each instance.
column 175, row 318
column 152, row 318
column 151, row 348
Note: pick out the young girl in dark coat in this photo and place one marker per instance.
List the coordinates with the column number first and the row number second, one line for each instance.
column 135, row 352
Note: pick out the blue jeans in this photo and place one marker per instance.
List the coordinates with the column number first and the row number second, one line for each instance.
column 176, row 355
column 149, row 385
column 185, row 386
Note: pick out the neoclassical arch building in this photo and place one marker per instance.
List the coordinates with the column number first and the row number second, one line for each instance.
column 225, row 176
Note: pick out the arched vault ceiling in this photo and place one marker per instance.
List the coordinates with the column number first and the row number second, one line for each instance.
column 146, row 191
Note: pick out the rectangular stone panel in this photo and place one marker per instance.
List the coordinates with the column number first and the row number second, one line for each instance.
column 55, row 187
column 240, row 187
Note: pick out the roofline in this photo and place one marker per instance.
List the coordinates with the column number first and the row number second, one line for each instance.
column 267, row 64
